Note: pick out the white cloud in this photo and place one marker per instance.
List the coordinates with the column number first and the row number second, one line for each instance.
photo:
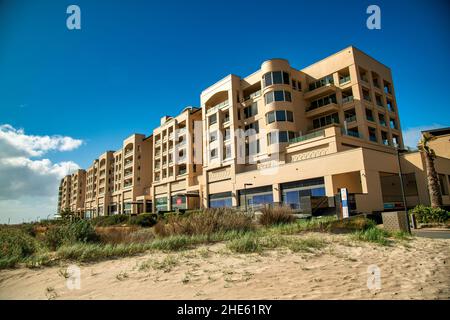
column 28, row 186
column 34, row 146
column 411, row 136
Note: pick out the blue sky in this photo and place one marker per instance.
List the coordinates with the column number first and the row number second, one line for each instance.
column 155, row 57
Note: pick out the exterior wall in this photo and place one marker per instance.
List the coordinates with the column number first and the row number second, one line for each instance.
column 64, row 194
column 176, row 169
column 441, row 146
column 77, row 194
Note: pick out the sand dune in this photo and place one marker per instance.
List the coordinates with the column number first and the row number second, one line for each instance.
column 416, row 269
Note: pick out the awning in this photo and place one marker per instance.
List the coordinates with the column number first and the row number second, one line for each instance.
column 194, row 194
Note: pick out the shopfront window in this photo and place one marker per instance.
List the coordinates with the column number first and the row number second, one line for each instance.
column 179, row 202
column 161, row 204
column 220, row 200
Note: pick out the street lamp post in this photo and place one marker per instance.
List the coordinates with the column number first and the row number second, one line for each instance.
column 400, row 175
column 245, row 195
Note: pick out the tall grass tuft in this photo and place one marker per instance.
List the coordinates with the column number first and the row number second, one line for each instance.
column 374, row 235
column 208, row 221
column 276, row 215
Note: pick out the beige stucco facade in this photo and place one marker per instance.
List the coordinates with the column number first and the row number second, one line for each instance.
column 279, row 135
column 176, row 163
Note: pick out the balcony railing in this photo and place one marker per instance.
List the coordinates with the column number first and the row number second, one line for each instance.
column 128, row 152
column 218, row 106
column 343, row 80
column 350, row 119
column 354, row 134
column 319, row 133
column 253, row 95
column 347, row 99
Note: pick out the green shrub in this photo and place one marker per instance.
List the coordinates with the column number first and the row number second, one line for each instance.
column 374, row 234
column 82, row 231
column 426, row 214
column 144, row 219
column 276, row 215
column 55, row 237
column 113, row 220
column 15, row 245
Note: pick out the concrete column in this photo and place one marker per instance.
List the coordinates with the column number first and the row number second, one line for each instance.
column 329, row 190
column 276, row 190
column 371, row 187
column 169, row 196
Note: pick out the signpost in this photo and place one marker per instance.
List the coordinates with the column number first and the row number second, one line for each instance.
column 344, row 203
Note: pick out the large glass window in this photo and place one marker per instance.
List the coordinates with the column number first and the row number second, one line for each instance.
column 220, row 200
column 279, row 95
column 252, row 128
column 251, row 111
column 325, row 120
column 213, row 119
column 279, row 115
column 321, row 82
column 280, row 136
column 276, row 77
column 256, row 197
column 161, row 204
column 308, row 196
column 179, row 202
column 322, row 102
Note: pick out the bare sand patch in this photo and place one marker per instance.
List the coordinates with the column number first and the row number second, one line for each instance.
column 413, row 269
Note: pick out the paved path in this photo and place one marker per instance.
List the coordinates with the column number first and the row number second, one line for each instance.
column 436, row 234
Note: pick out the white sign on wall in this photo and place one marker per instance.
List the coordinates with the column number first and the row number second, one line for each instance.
column 344, row 203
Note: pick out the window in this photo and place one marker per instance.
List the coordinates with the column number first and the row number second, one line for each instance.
column 279, row 137
column 379, row 101
column 251, row 111
column 382, row 119
column 227, row 151
column 390, row 105
column 395, row 140
column 279, row 95
column 369, row 115
column 276, row 77
column 252, row 148
column 322, row 102
column 213, row 136
column 384, row 138
column 372, row 134
column 366, row 95
column 279, row 115
column 325, row 121
column 213, row 153
column 227, row 135
column 387, row 87
column 251, row 129
column 213, row 119
column 270, row 117
column 322, row 82
column 393, row 124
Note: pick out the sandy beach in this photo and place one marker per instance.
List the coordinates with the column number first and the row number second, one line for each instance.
column 414, row 269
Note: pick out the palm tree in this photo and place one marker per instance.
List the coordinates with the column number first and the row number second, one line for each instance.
column 432, row 176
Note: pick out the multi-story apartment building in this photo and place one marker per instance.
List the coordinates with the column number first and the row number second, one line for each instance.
column 64, row 194
column 132, row 176
column 298, row 136
column 280, row 135
column 77, row 190
column 176, row 162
